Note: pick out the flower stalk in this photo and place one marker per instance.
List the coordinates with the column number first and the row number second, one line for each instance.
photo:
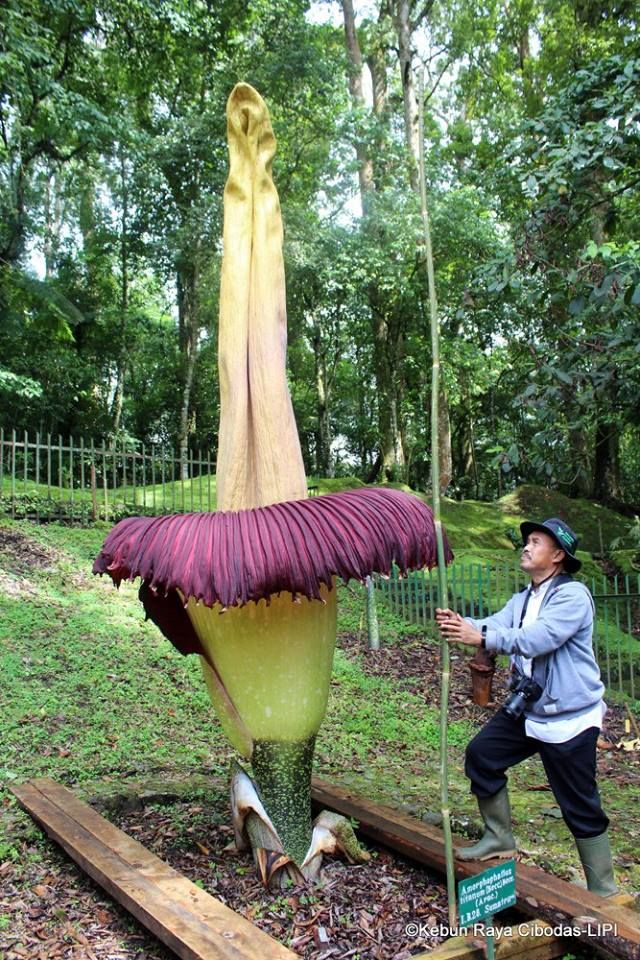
column 252, row 587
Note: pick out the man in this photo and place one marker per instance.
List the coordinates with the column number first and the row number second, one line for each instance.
column 556, row 709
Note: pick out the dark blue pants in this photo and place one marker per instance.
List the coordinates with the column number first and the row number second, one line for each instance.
column 570, row 769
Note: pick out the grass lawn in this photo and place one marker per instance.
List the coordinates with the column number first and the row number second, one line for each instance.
column 92, row 693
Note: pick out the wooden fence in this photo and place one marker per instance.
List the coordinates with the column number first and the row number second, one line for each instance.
column 49, row 478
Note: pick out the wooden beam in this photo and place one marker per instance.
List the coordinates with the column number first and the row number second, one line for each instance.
column 605, row 926
column 524, row 943
column 192, row 923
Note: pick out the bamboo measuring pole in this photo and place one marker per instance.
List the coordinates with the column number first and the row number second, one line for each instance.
column 435, row 485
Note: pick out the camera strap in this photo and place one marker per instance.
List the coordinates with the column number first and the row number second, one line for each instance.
column 524, row 608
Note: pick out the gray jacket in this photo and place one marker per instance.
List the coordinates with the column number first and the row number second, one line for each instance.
column 559, row 641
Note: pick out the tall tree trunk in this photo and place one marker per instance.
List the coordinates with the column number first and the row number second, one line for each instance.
column 444, row 438
column 323, row 423
column 189, row 330
column 53, row 221
column 387, row 329
column 388, row 345
column 606, row 479
column 530, row 93
column 365, row 163
column 581, row 482
column 467, row 463
column 15, row 230
column 606, row 486
column 121, row 362
column 402, row 23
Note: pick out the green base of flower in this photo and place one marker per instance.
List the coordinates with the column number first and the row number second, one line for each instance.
column 282, row 773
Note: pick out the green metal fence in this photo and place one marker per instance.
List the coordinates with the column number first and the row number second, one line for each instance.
column 45, row 478
column 478, row 590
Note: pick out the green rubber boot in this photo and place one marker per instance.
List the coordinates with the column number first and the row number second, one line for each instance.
column 595, row 854
column 497, row 839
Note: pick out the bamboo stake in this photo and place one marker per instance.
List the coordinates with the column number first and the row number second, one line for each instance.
column 435, row 485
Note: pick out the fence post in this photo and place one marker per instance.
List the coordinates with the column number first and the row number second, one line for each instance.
column 190, row 466
column 26, row 467
column 13, row 474
column 115, row 473
column 373, row 633
column 94, row 485
column 153, row 474
column 38, row 476
column 124, row 473
column 82, row 480
column 454, row 578
column 105, row 485
column 164, row 486
column 49, row 475
column 173, row 481
column 71, row 510
column 606, row 640
column 627, row 590
column 618, row 639
column 134, row 457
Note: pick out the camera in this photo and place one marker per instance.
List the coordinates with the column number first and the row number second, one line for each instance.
column 523, row 691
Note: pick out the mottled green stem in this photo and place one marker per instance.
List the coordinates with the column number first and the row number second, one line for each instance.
column 282, row 773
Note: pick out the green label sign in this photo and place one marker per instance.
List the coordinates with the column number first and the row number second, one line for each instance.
column 487, row 893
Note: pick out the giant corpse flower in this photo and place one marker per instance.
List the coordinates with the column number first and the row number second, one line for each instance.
column 251, row 588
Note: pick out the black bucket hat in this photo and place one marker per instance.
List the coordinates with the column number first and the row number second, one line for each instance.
column 563, row 536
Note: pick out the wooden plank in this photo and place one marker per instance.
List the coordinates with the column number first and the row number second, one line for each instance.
column 625, row 900
column 539, row 894
column 456, row 948
column 192, row 923
column 529, row 946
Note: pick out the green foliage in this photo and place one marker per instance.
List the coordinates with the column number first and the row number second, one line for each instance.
column 625, row 550
column 22, row 388
column 112, row 168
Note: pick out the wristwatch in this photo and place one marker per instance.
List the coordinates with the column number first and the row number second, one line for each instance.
column 483, row 631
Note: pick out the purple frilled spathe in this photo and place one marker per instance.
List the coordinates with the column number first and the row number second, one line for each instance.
column 233, row 558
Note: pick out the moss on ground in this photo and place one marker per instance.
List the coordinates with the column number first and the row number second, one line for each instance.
column 595, row 525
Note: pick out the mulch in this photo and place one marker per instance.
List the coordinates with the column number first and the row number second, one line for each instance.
column 359, row 909
column 367, row 910
column 52, row 911
column 21, row 556
column 24, row 554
